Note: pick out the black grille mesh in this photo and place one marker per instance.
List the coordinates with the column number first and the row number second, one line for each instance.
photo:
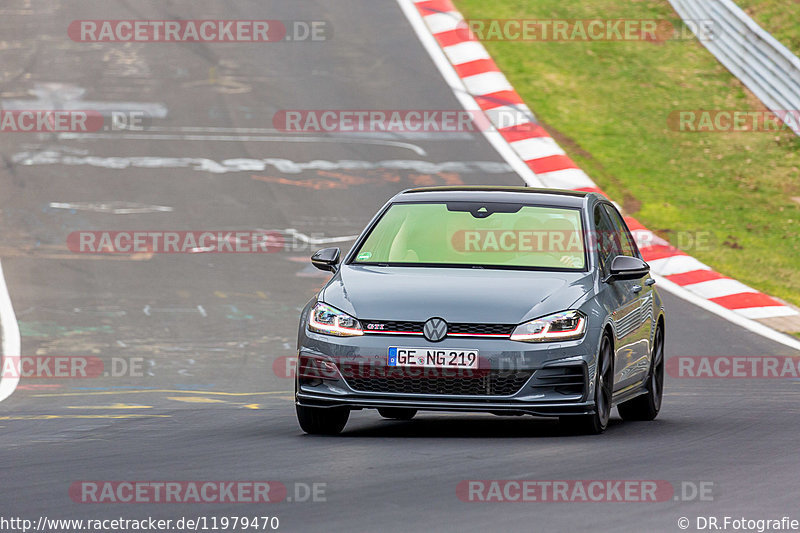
column 409, row 327
column 481, row 329
column 489, row 383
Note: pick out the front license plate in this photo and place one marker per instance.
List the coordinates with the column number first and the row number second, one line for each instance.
column 431, row 357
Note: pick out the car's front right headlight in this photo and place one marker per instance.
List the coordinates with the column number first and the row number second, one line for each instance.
column 563, row 326
column 330, row 321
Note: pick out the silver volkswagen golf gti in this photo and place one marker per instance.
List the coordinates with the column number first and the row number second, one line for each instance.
column 505, row 300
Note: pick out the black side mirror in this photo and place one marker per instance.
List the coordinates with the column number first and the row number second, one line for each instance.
column 326, row 259
column 624, row 267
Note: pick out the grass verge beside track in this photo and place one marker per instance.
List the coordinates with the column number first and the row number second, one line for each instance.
column 607, row 104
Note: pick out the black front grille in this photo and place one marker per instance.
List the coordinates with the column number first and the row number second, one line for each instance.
column 392, row 326
column 488, row 383
column 481, row 329
column 382, row 326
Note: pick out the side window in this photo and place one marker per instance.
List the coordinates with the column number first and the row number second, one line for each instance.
column 627, row 245
column 605, row 237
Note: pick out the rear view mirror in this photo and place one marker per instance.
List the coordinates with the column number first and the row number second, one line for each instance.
column 624, row 267
column 326, row 259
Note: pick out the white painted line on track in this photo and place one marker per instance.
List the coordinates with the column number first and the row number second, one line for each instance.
column 240, row 138
column 114, row 208
column 380, row 135
column 11, row 340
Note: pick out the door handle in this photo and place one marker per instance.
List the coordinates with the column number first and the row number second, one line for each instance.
column 650, row 282
column 636, row 288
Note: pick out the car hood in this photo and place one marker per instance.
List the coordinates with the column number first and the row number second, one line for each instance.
column 455, row 294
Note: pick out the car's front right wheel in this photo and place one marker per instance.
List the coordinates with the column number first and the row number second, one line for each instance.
column 322, row 420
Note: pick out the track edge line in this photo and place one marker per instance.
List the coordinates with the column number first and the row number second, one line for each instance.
column 11, row 344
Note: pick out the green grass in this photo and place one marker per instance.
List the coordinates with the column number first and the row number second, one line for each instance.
column 778, row 17
column 607, row 104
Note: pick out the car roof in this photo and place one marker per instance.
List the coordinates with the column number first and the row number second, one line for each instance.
column 481, row 193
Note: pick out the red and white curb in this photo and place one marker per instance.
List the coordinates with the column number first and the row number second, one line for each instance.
column 458, row 54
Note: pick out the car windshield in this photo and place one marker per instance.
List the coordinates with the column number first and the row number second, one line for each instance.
column 482, row 234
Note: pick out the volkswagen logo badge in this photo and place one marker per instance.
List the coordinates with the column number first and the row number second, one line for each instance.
column 435, row 329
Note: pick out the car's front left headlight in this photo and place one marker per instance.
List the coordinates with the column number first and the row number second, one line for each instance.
column 330, row 321
column 563, row 326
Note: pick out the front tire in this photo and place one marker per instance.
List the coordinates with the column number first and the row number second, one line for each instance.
column 322, row 420
column 597, row 422
column 397, row 413
column 647, row 406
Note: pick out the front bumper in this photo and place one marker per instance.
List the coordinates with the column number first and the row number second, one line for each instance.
column 560, row 375
column 307, row 399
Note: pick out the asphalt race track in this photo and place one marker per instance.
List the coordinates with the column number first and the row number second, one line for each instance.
column 207, row 329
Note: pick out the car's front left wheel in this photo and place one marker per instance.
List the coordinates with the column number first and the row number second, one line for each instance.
column 597, row 422
column 322, row 420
